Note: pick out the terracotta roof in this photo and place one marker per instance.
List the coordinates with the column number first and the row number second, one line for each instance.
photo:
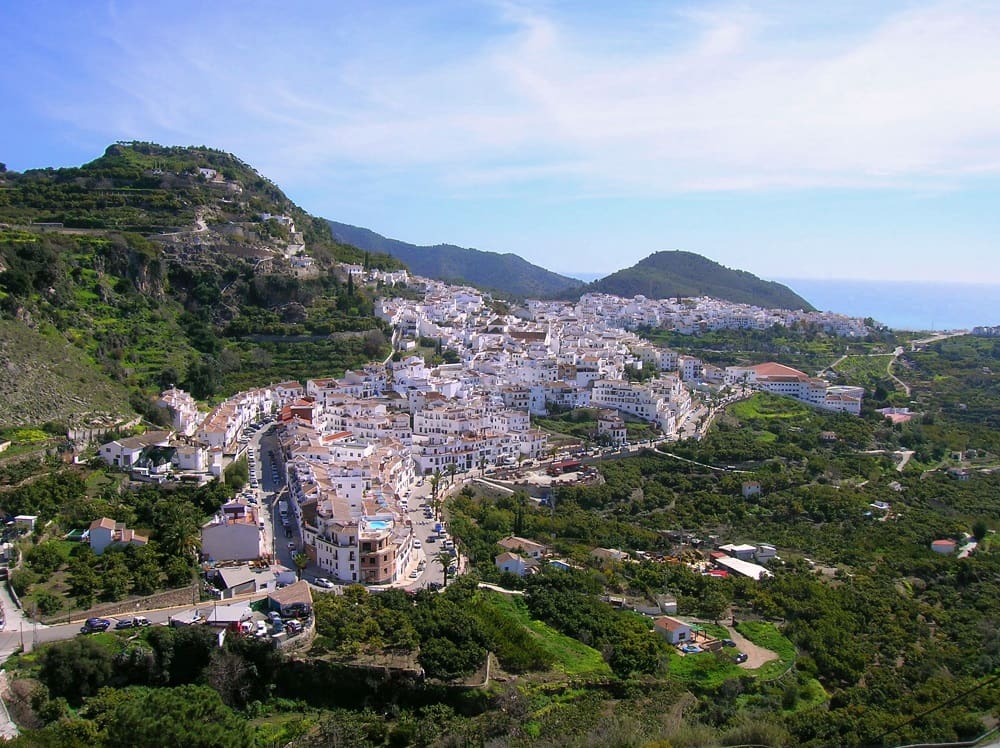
column 670, row 624
column 772, row 369
column 293, row 593
column 107, row 524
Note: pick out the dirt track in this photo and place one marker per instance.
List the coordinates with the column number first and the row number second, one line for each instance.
column 756, row 656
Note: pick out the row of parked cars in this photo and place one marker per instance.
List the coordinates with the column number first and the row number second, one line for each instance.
column 92, row 625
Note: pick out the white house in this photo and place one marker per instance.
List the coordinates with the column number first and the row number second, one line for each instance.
column 234, row 534
column 674, row 631
column 529, row 548
column 512, row 563
column 105, row 532
column 124, row 453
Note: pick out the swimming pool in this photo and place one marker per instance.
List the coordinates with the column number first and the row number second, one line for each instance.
column 378, row 524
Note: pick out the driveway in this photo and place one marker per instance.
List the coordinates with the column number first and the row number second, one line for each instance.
column 756, row 655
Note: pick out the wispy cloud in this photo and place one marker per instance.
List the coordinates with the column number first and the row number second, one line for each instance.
column 644, row 101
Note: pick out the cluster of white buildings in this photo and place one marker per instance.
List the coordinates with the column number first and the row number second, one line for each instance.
column 691, row 316
column 352, row 446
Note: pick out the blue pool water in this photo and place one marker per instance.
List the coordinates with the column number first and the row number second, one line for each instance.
column 378, row 524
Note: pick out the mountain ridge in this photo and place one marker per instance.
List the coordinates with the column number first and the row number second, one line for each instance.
column 660, row 275
column 504, row 272
column 678, row 273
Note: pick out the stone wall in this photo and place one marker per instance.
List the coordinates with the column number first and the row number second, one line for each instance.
column 169, row 599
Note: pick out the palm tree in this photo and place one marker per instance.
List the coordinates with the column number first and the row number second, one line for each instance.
column 451, row 473
column 444, row 558
column 435, row 484
column 301, row 561
column 180, row 535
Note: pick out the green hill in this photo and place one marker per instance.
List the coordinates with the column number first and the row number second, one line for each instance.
column 176, row 265
column 505, row 273
column 675, row 274
column 45, row 378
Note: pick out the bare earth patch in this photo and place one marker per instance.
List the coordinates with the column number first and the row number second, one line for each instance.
column 756, row 655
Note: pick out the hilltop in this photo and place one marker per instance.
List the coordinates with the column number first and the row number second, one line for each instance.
column 172, row 265
column 506, row 273
column 661, row 275
column 675, row 274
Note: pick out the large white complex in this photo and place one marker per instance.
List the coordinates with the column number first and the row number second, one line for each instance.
column 784, row 380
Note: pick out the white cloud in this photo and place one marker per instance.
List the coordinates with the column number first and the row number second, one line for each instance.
column 634, row 103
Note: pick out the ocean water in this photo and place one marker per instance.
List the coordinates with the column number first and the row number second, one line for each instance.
column 905, row 305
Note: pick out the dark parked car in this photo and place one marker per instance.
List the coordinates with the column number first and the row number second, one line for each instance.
column 95, row 624
column 728, row 643
column 297, row 610
column 741, row 657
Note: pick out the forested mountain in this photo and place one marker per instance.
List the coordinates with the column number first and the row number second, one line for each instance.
column 170, row 265
column 672, row 274
column 507, row 273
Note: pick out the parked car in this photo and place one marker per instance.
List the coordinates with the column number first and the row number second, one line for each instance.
column 741, row 657
column 325, row 583
column 140, row 621
column 291, row 546
column 728, row 643
column 417, row 544
column 95, row 624
column 124, row 623
column 414, row 574
column 261, row 629
column 297, row 610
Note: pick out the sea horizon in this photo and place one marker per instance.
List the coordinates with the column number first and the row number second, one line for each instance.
column 904, row 305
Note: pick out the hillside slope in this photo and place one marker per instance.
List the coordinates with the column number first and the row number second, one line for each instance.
column 507, row 273
column 674, row 274
column 45, row 378
column 172, row 265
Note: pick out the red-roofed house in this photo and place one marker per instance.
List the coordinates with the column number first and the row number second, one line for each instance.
column 675, row 632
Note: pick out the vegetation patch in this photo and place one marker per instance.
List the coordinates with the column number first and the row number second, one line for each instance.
column 767, row 635
column 567, row 654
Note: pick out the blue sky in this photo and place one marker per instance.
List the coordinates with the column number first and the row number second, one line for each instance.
column 789, row 139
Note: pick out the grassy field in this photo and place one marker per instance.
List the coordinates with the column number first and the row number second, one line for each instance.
column 571, row 657
column 98, row 481
column 865, row 371
column 765, row 408
column 706, row 669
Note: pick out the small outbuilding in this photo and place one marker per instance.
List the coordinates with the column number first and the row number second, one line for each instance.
column 674, row 631
column 944, row 547
column 296, row 599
